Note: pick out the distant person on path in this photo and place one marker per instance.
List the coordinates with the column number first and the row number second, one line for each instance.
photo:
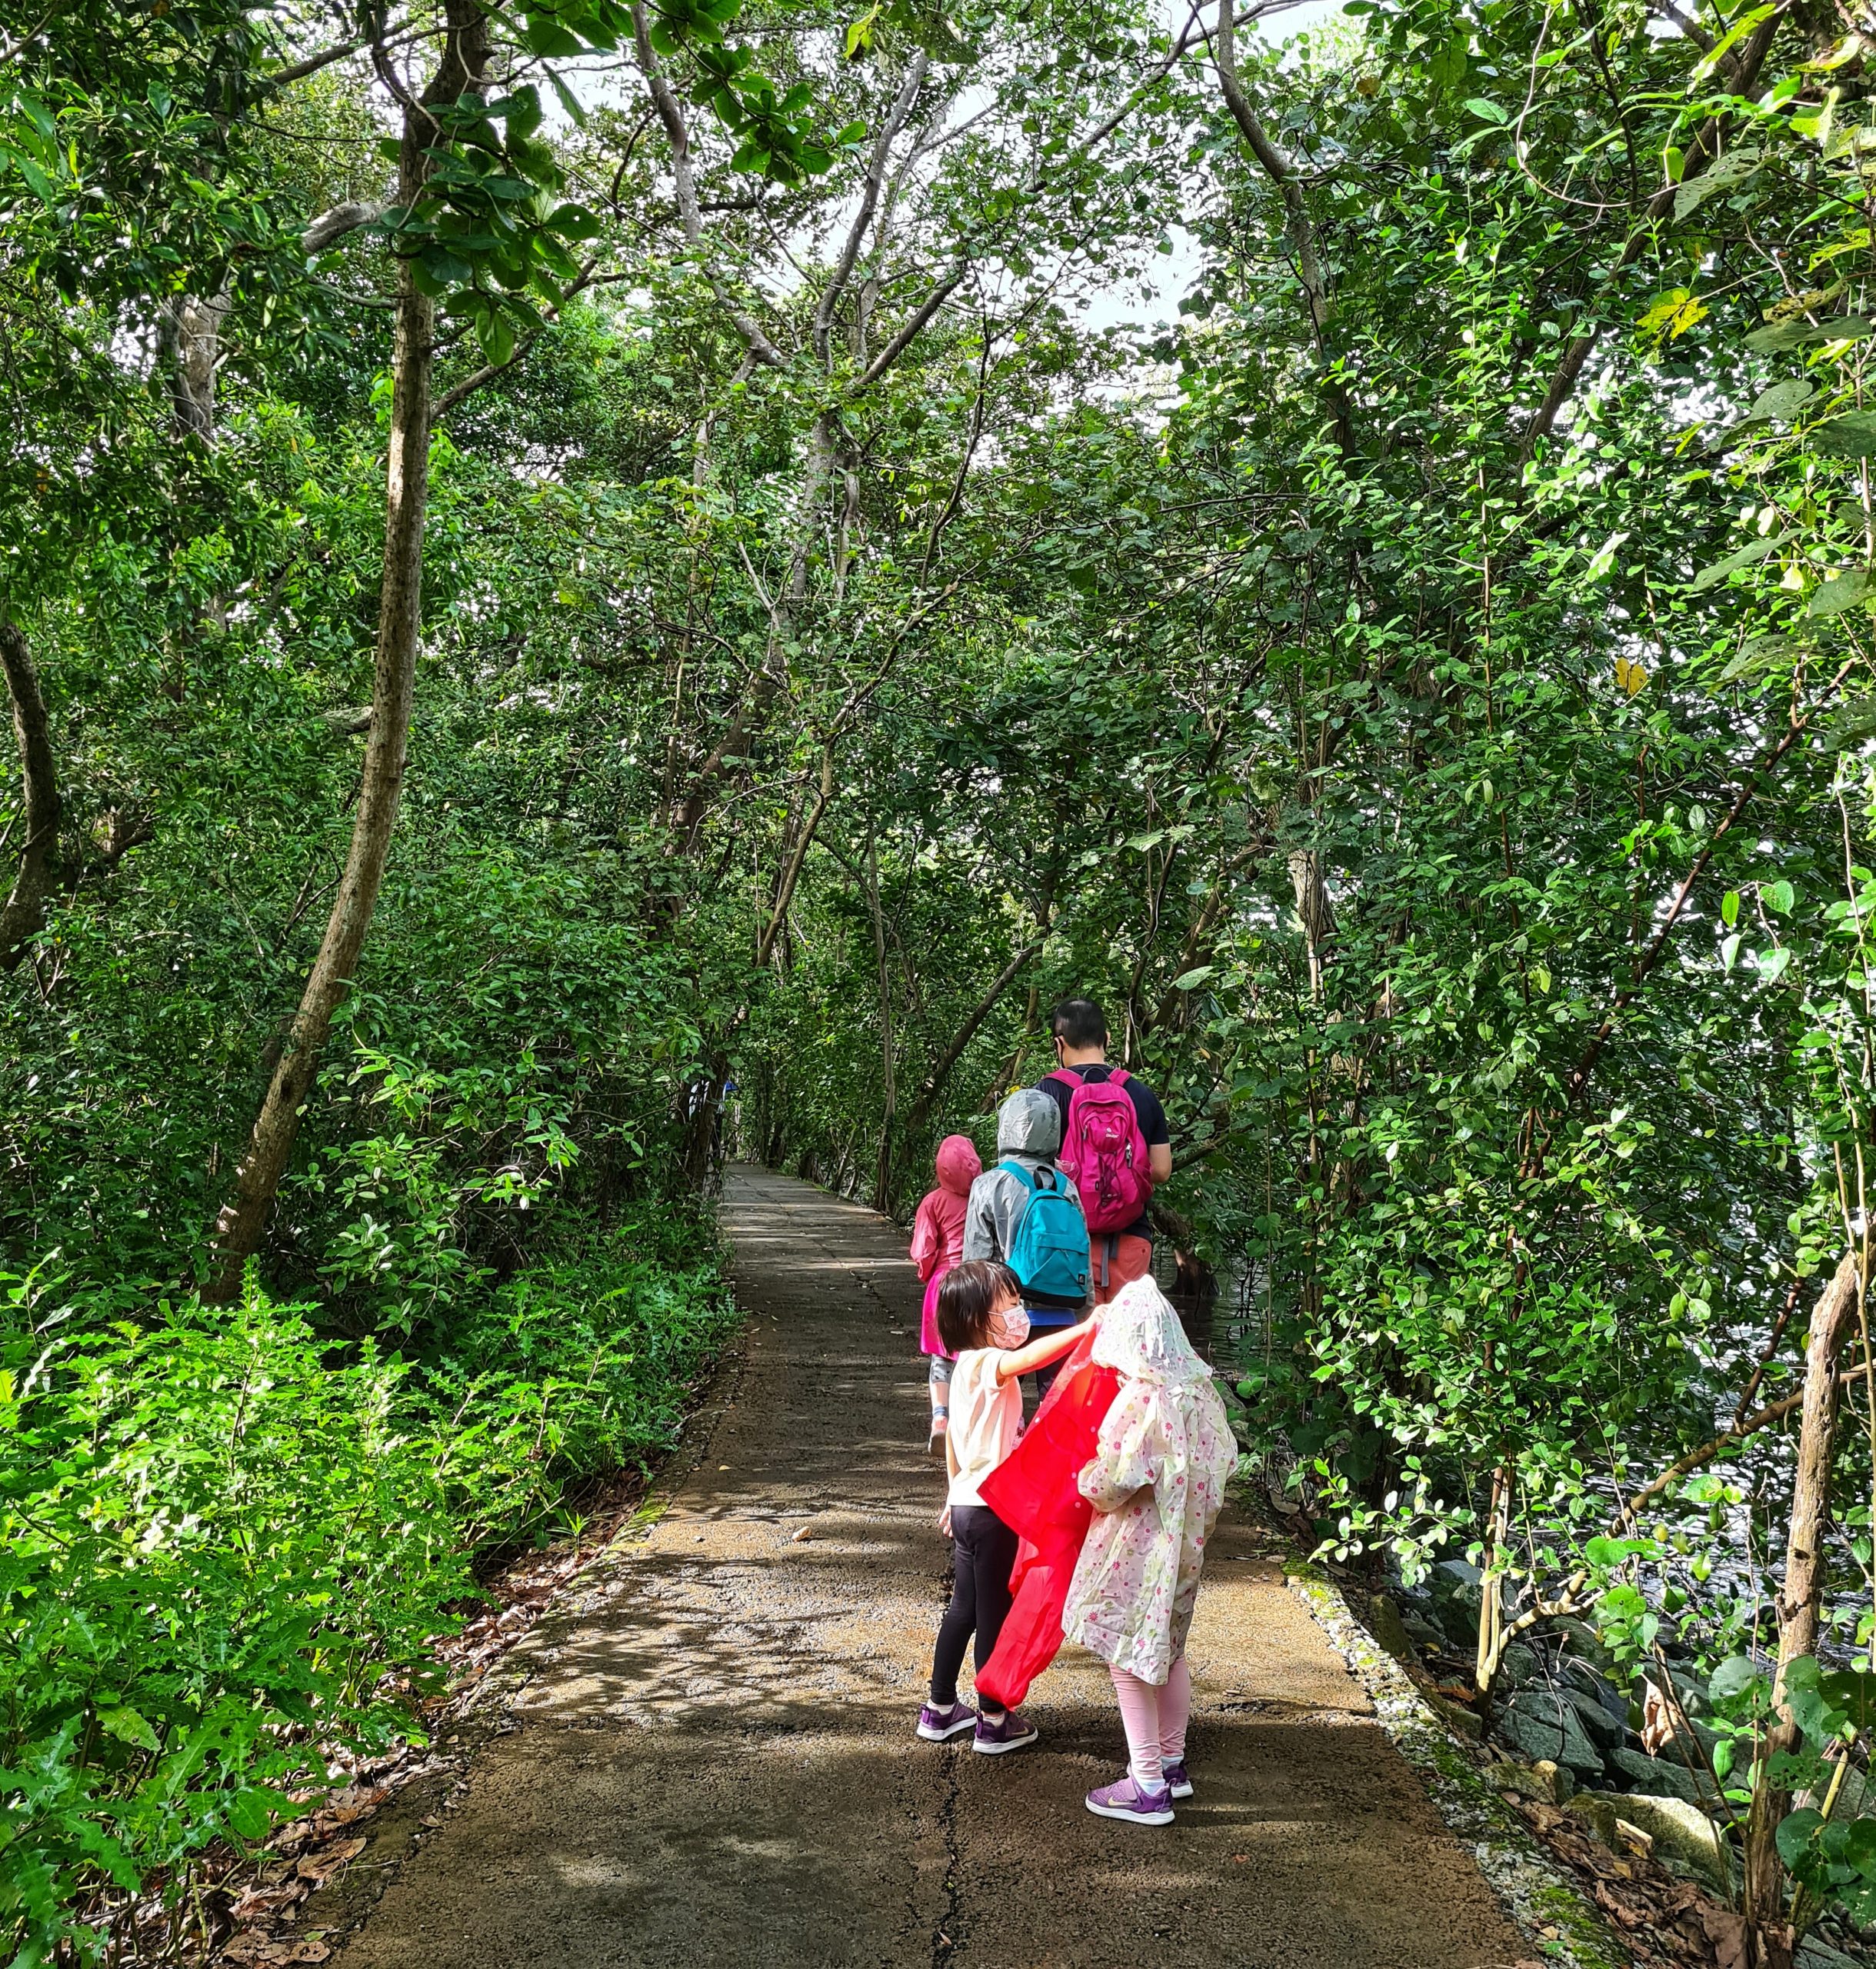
column 980, row 1320
column 1157, row 1483
column 937, row 1244
column 1024, row 1213
column 1116, row 1158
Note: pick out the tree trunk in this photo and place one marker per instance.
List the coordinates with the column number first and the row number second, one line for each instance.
column 24, row 914
column 1801, row 1597
column 1314, row 911
column 882, row 1173
column 1192, row 1278
column 243, row 1218
column 797, row 859
column 191, row 342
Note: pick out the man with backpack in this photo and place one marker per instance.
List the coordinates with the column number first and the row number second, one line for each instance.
column 1023, row 1211
column 1115, row 1145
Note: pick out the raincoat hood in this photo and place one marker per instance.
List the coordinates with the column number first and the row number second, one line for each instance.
column 1139, row 1334
column 1029, row 1123
column 959, row 1165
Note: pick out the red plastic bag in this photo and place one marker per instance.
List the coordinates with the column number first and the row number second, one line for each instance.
column 1034, row 1491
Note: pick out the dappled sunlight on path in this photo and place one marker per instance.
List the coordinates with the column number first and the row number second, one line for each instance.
column 712, row 1761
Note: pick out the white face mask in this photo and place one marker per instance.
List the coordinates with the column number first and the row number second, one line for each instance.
column 1010, row 1329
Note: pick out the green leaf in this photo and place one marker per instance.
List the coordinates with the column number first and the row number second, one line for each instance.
column 1486, row 110
column 1729, row 907
column 571, row 103
column 128, row 1726
column 36, row 114
column 41, row 184
column 1783, row 398
column 1754, row 551
column 1778, row 898
column 1760, row 653
column 1796, row 334
column 1843, row 590
column 859, row 37
column 1796, row 1831
column 1723, row 174
column 1190, row 981
column 542, row 33
column 1851, row 724
column 520, row 112
column 445, row 269
column 576, row 221
column 1732, row 1678
column 1743, row 26
column 1774, row 965
column 496, row 336
column 250, row 1813
column 1853, row 435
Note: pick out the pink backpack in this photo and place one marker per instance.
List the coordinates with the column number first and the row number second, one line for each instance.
column 1103, row 1149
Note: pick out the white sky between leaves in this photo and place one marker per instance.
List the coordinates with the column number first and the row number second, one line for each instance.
column 1146, row 303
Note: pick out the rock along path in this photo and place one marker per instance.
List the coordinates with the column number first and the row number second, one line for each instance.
column 712, row 1762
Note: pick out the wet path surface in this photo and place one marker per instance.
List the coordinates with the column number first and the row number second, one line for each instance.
column 712, row 1761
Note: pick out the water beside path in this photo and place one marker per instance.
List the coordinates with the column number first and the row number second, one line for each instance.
column 710, row 1760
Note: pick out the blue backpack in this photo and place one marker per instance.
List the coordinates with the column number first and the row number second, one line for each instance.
column 1048, row 1248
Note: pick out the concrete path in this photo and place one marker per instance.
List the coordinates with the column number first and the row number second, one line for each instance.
column 713, row 1762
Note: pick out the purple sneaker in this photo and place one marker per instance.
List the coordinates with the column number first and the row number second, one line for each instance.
column 1177, row 1782
column 1127, row 1801
column 1010, row 1732
column 936, row 1725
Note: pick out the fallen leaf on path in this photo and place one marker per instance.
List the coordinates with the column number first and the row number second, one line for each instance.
column 319, row 1867
column 257, row 1903
column 1727, row 1931
column 806, row 1532
column 354, row 1808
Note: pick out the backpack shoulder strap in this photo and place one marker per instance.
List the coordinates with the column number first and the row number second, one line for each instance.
column 1065, row 1076
column 1118, row 1076
column 1021, row 1174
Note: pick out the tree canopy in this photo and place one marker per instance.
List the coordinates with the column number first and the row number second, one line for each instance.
column 587, row 582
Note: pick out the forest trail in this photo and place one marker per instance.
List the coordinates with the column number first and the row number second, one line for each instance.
column 712, row 1761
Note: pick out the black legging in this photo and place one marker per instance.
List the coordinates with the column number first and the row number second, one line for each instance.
column 983, row 1550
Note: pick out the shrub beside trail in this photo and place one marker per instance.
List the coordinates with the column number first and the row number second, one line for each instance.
column 226, row 1548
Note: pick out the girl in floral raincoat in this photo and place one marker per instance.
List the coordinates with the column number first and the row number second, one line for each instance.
column 1157, row 1483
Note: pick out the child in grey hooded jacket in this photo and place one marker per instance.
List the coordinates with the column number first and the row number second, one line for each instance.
column 1028, row 1132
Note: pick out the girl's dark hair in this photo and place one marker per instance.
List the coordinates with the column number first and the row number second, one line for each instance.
column 966, row 1293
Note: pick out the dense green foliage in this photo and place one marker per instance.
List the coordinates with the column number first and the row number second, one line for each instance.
column 1420, row 691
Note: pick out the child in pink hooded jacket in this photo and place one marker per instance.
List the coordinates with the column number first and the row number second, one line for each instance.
column 937, row 1244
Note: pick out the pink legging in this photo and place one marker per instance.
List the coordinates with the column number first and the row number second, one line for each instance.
column 1153, row 1715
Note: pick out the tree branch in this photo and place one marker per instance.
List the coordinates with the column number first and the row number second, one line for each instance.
column 869, row 202
column 1650, row 958
column 1576, row 353
column 331, row 226
column 684, row 179
column 934, row 1082
column 954, row 276
column 310, row 65
column 1277, row 167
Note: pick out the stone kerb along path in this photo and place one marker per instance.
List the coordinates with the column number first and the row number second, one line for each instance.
column 710, row 1759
